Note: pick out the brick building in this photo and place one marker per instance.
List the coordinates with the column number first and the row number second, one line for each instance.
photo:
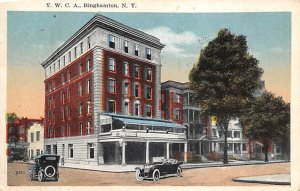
column 102, row 97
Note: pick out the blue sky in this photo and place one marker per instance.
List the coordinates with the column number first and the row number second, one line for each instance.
column 33, row 36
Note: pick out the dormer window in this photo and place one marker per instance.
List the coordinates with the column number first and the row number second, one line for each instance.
column 126, row 46
column 111, row 41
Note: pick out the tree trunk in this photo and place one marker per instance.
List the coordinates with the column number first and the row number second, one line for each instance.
column 266, row 156
column 225, row 156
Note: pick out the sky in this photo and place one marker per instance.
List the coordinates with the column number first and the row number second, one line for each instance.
column 34, row 36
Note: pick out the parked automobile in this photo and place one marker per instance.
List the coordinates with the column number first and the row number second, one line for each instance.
column 158, row 169
column 45, row 166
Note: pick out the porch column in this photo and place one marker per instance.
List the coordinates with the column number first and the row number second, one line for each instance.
column 185, row 152
column 147, row 152
column 232, row 148
column 123, row 152
column 168, row 150
column 200, row 148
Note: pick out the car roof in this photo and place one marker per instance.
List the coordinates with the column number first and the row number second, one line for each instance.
column 45, row 155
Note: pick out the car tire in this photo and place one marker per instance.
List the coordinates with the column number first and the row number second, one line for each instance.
column 51, row 168
column 41, row 176
column 156, row 175
column 178, row 172
column 138, row 175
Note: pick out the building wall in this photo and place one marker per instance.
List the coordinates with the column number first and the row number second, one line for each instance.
column 55, row 106
column 35, row 144
column 120, row 78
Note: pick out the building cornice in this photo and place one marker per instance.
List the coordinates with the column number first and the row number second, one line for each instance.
column 100, row 21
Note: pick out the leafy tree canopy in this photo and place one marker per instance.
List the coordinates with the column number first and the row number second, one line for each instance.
column 225, row 77
column 11, row 117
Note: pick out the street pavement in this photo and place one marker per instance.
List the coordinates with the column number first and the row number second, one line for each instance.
column 276, row 179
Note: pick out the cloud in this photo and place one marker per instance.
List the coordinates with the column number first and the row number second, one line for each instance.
column 176, row 43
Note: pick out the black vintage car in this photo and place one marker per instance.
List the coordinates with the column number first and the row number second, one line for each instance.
column 45, row 166
column 158, row 169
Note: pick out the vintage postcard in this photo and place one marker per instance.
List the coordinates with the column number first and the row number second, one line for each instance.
column 201, row 95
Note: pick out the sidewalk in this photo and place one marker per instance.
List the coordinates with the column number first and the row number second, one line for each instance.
column 276, row 179
column 131, row 167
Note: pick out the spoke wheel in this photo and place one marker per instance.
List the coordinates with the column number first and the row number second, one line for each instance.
column 138, row 175
column 156, row 175
column 178, row 172
column 41, row 176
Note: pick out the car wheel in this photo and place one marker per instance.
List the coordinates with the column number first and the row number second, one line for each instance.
column 138, row 175
column 156, row 175
column 50, row 171
column 178, row 172
column 41, row 176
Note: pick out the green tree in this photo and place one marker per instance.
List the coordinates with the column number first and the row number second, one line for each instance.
column 11, row 117
column 265, row 119
column 224, row 79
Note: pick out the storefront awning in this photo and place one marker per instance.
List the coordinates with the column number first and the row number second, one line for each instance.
column 149, row 122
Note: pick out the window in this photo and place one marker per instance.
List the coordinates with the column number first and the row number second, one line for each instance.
column 111, row 85
column 54, row 68
column 148, row 92
column 126, row 69
column 88, row 86
column 177, row 98
column 136, row 109
column 79, row 89
column 136, row 71
column 125, row 89
column 80, row 129
column 80, row 69
column 68, row 131
column 244, row 146
column 70, row 150
column 148, row 111
column 64, row 97
column 237, row 134
column 162, row 98
column 88, row 128
column 53, row 101
column 91, row 149
column 148, row 74
column 75, row 52
column 148, row 53
column 69, row 76
column 38, row 152
column 136, row 50
column 50, row 71
column 62, row 113
column 58, row 64
column 136, row 90
column 38, row 135
column 88, row 106
column 55, row 149
column 111, row 106
column 89, row 42
column 81, row 47
column 70, row 58
column 88, row 65
column 177, row 114
column 112, row 65
column 62, row 131
column 126, row 46
column 69, row 112
column 126, row 107
column 69, row 94
column 32, row 137
column 80, row 109
column 48, row 149
column 64, row 60
column 111, row 41
column 62, row 79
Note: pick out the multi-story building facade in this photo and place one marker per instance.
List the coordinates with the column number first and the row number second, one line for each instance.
column 35, row 134
column 204, row 137
column 102, row 97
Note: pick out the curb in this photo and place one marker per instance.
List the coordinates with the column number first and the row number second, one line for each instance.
column 262, row 182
